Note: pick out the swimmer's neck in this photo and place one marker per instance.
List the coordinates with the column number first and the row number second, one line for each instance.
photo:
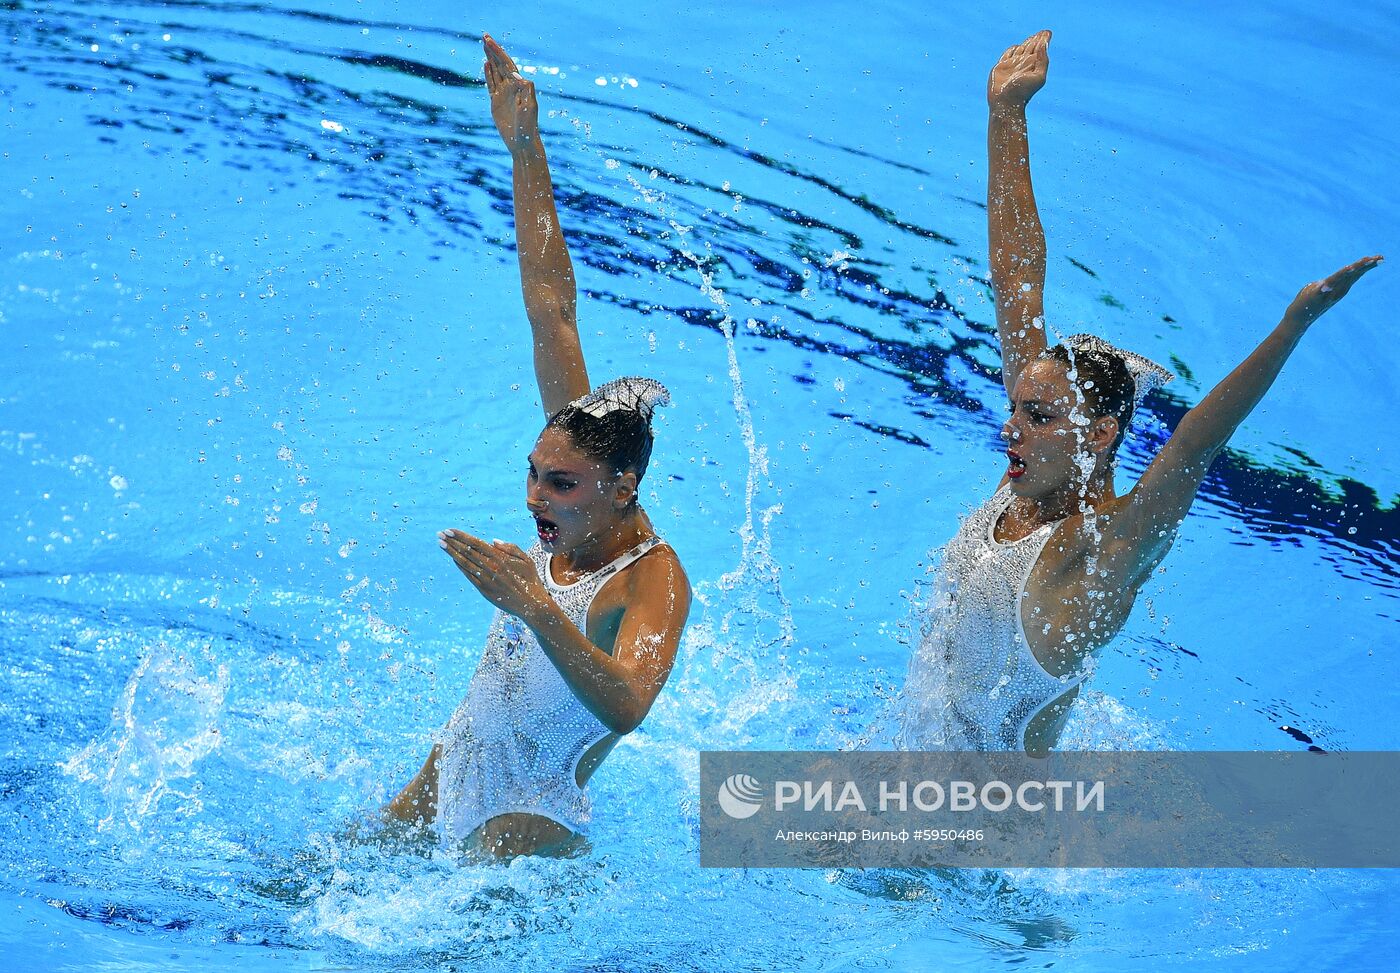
column 629, row 530
column 1072, row 499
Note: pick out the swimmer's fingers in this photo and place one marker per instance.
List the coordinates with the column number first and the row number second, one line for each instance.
column 1319, row 297
column 1021, row 71
column 511, row 553
column 470, row 560
column 465, row 548
column 489, row 552
column 459, row 545
column 1354, row 271
column 1034, row 46
column 513, row 105
column 513, row 102
column 499, row 82
column 497, row 56
column 502, row 573
column 452, row 537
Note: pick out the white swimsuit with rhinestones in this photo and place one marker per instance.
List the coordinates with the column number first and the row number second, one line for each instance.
column 974, row 683
column 516, row 739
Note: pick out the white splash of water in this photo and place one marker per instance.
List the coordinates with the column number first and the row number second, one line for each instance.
column 1084, row 460
column 164, row 723
column 747, row 632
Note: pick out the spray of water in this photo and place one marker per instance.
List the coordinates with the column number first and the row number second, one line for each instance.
column 164, row 723
column 752, row 637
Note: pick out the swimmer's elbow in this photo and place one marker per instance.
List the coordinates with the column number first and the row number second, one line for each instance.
column 1199, row 438
column 622, row 724
column 627, row 717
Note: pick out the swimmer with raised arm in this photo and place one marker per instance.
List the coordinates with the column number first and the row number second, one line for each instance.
column 589, row 619
column 1045, row 573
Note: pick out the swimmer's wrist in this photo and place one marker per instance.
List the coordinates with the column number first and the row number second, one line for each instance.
column 529, row 149
column 1004, row 109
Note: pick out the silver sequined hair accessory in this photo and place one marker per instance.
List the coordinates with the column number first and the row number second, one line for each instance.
column 636, row 394
column 1146, row 373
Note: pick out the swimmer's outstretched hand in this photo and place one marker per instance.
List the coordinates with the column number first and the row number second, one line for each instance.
column 513, row 105
column 503, row 573
column 1020, row 73
column 1321, row 296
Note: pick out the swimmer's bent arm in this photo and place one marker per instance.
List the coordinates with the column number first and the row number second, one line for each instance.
column 620, row 688
column 1142, row 525
column 1014, row 233
column 546, row 272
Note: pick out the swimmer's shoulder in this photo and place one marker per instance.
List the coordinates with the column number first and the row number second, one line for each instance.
column 656, row 576
column 658, row 570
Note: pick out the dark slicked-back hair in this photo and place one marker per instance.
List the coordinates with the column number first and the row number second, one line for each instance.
column 1104, row 381
column 621, row 439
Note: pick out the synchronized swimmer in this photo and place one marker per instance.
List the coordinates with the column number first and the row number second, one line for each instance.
column 589, row 619
column 1035, row 583
column 1044, row 574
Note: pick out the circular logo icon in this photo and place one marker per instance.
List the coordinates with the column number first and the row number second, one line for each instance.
column 740, row 796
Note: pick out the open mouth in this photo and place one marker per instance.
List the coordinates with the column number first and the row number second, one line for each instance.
column 1015, row 465
column 548, row 530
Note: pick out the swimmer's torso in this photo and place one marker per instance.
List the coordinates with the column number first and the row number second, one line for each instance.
column 1007, row 641
column 1073, row 589
column 521, row 746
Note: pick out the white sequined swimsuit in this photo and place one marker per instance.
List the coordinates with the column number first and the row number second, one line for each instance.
column 974, row 683
column 516, row 739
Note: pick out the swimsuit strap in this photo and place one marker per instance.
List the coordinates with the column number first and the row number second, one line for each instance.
column 627, row 558
column 593, row 580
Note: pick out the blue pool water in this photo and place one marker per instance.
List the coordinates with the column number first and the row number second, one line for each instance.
column 264, row 338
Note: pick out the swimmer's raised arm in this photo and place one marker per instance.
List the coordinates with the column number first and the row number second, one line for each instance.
column 618, row 689
column 1016, row 238
column 546, row 272
column 1142, row 525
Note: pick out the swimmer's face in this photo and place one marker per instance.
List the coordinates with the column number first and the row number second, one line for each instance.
column 574, row 499
column 1048, row 451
